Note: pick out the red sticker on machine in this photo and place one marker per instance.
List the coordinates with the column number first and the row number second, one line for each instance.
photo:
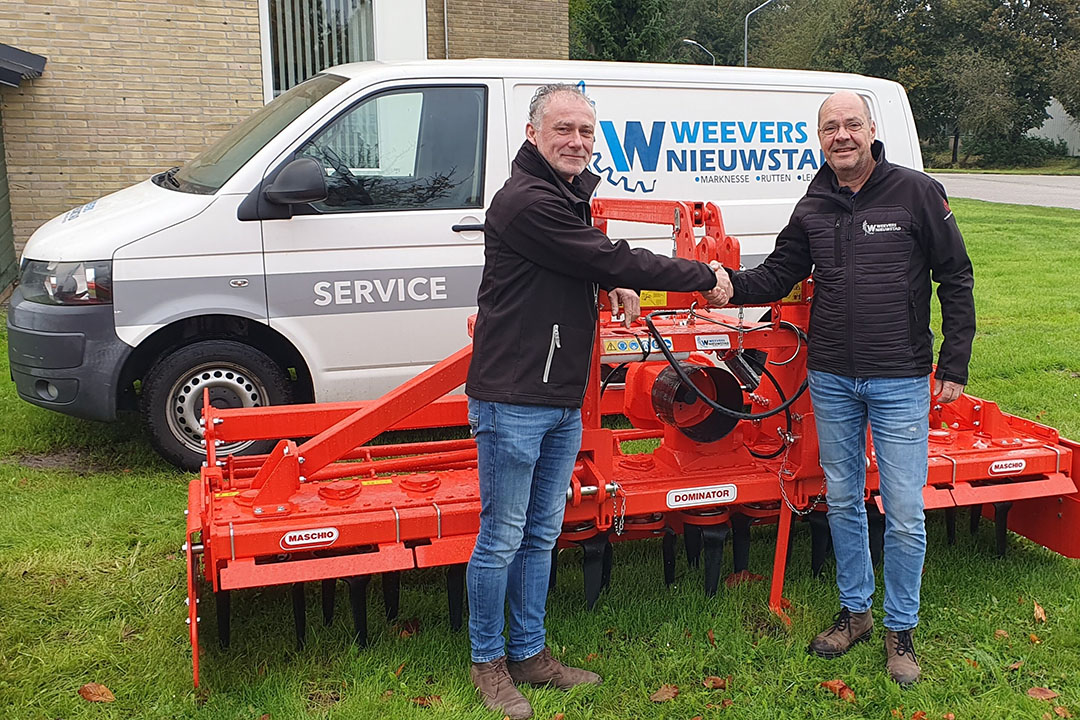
column 317, row 537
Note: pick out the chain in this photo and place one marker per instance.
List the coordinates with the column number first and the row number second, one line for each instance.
column 620, row 514
column 789, row 440
column 742, row 330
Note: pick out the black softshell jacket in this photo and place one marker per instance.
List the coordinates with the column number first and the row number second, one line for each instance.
column 543, row 264
column 872, row 257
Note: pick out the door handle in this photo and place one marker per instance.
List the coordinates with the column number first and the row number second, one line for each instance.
column 473, row 227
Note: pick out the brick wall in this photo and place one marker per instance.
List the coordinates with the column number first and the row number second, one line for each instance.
column 506, row 28
column 131, row 87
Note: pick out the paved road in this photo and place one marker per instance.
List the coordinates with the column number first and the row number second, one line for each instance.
column 1045, row 190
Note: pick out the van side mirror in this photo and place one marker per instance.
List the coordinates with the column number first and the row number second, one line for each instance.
column 301, row 181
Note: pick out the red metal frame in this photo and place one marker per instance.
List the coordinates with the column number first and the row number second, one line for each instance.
column 411, row 505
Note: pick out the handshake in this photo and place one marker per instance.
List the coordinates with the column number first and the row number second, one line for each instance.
column 721, row 294
column 631, row 303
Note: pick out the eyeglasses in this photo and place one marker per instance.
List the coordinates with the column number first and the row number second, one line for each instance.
column 852, row 126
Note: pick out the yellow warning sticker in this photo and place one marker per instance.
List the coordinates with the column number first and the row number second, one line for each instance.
column 230, row 493
column 377, row 481
column 653, row 298
column 795, row 296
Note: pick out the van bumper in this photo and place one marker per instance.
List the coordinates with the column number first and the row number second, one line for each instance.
column 66, row 358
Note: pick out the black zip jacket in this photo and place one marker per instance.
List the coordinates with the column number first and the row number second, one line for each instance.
column 543, row 263
column 873, row 256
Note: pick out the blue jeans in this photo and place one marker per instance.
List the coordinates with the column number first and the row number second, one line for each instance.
column 526, row 455
column 898, row 411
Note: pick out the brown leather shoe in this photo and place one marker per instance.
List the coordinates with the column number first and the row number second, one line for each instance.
column 543, row 669
column 900, row 658
column 497, row 689
column 848, row 629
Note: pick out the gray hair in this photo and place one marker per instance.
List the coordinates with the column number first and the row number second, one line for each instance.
column 865, row 103
column 542, row 96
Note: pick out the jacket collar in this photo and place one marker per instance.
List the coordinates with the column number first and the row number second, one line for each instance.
column 825, row 182
column 531, row 162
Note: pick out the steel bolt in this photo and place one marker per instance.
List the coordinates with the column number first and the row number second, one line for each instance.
column 202, row 422
column 281, row 508
column 183, row 548
column 186, row 512
column 258, row 511
column 218, row 421
column 218, row 443
column 187, row 601
column 977, row 408
column 303, row 479
column 300, row 459
column 977, row 423
column 187, row 621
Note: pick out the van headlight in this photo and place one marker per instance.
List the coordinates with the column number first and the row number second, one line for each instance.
column 67, row 283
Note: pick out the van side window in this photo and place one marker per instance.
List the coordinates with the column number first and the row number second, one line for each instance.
column 416, row 148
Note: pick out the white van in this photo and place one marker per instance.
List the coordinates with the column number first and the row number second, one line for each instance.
column 330, row 246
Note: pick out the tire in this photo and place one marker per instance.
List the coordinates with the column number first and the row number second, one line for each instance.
column 237, row 375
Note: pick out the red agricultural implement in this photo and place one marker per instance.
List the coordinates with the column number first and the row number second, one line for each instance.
column 723, row 396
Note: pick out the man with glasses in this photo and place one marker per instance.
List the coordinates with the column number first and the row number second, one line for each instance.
column 874, row 235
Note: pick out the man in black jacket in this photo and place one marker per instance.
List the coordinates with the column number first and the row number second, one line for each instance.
column 544, row 263
column 874, row 235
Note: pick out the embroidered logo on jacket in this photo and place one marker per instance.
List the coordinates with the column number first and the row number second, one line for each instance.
column 871, row 228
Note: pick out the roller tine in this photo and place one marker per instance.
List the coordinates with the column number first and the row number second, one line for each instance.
column 455, row 593
column 820, row 535
column 223, row 604
column 876, row 524
column 391, row 592
column 554, row 568
column 669, row 556
column 713, row 538
column 1001, row 525
column 358, row 603
column 950, row 525
column 299, row 609
column 605, row 564
column 740, row 542
column 328, row 588
column 976, row 515
column 592, row 566
column 692, row 540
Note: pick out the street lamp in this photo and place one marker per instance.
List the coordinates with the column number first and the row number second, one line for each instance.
column 746, row 28
column 695, row 43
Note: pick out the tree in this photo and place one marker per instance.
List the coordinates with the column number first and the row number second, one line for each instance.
column 623, row 30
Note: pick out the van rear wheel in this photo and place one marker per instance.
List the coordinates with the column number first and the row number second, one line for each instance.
column 236, row 375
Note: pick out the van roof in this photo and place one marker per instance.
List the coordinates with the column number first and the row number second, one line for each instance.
column 654, row 72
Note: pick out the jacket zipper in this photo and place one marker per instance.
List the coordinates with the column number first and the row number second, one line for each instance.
column 555, row 343
column 851, row 289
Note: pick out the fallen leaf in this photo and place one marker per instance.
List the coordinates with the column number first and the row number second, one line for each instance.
column 410, row 627
column 388, row 694
column 898, row 712
column 96, row 692
column 1040, row 614
column 170, row 557
column 839, row 688
column 1000, row 634
column 971, row 662
column 557, row 716
column 785, row 604
column 742, row 577
column 665, row 693
column 717, row 683
column 426, row 701
column 591, row 656
column 696, row 717
column 1016, row 665
column 919, row 715
column 948, row 716
column 1034, row 639
column 727, row 702
column 689, row 634
column 1062, row 711
column 712, row 638
column 1041, row 693
column 264, row 716
column 397, row 673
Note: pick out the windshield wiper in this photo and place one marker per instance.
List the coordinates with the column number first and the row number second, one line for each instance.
column 170, row 176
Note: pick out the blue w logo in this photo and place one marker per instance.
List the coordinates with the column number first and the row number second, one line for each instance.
column 634, row 145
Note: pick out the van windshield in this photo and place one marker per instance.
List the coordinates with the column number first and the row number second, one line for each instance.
column 206, row 173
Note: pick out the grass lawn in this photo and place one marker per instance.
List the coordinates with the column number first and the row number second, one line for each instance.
column 1057, row 166
column 92, row 580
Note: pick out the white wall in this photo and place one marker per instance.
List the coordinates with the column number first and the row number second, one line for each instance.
column 400, row 30
column 1060, row 126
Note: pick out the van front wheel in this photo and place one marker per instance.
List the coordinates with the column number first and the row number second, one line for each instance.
column 234, row 374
